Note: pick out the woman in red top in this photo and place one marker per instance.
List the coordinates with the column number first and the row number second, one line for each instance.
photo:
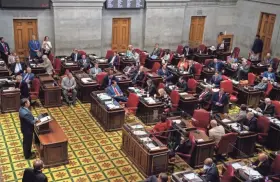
column 162, row 126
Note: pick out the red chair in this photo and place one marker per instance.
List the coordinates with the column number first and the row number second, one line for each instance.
column 201, row 119
column 34, row 92
column 268, row 89
column 236, row 52
column 109, row 54
column 57, row 66
column 132, row 104
column 100, row 77
column 161, row 85
column 276, row 104
column 192, row 84
column 143, row 58
column 175, row 98
column 224, row 77
column 138, row 50
column 171, row 57
column 81, row 52
column 207, row 62
column 198, row 69
column 180, row 49
column 155, row 67
column 51, row 58
column 251, row 79
column 228, row 175
column 201, row 48
column 187, row 157
column 228, row 88
column 263, row 125
column 226, row 144
column 161, row 53
column 163, row 136
column 275, row 63
column 275, row 168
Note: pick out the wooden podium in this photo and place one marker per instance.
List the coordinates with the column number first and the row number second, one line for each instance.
column 52, row 146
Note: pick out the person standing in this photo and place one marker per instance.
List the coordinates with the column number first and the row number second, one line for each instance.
column 23, row 86
column 27, row 122
column 46, row 46
column 257, row 48
column 34, row 47
column 4, row 49
column 35, row 174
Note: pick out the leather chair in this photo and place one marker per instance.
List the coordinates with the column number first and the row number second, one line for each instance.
column 228, row 88
column 192, row 84
column 131, row 105
column 236, row 52
column 201, row 48
column 268, row 90
column 175, row 98
column 224, row 77
column 198, row 69
column 163, row 136
column 228, row 175
column 81, row 52
column 276, row 103
column 51, row 58
column 226, row 144
column 143, row 58
column 207, row 62
column 155, row 67
column 34, row 91
column 171, row 58
column 100, row 77
column 275, row 168
column 180, row 49
column 161, row 85
column 138, row 51
column 187, row 157
column 263, row 125
column 57, row 66
column 201, row 119
column 251, row 79
column 109, row 54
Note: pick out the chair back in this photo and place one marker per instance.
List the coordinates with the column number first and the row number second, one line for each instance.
column 155, row 67
column 226, row 143
column 180, row 49
column 161, row 52
column 236, row 52
column 138, row 50
column 263, row 124
column 35, row 85
column 275, row 167
column 175, row 98
column 198, row 69
column 192, row 139
column 268, row 89
column 109, row 54
column 81, row 52
column 228, row 174
column 192, row 84
column 51, row 58
column 251, row 78
column 132, row 100
column 100, row 77
column 227, row 86
column 143, row 58
column 276, row 104
column 171, row 57
column 201, row 48
column 161, row 85
column 203, row 118
column 207, row 62
column 224, row 77
column 275, row 63
column 57, row 65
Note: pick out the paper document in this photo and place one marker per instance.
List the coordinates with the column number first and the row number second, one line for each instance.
column 236, row 165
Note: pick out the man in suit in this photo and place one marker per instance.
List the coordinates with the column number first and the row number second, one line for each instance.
column 216, row 132
column 257, row 46
column 68, row 85
column 219, row 100
column 267, row 108
column 216, row 65
column 129, row 70
column 84, row 63
column 262, row 164
column 182, row 84
column 165, row 74
column 27, row 122
column 107, row 81
column 34, row 47
column 243, row 70
column 252, row 122
column 23, row 86
column 114, row 60
column 18, row 67
column 162, row 177
column 151, row 88
column 216, row 79
column 35, row 174
column 95, row 70
column 138, row 75
column 269, row 74
column 75, row 56
column 28, row 76
column 156, row 52
column 210, row 173
column 4, row 49
column 187, row 51
column 115, row 92
column 191, row 68
column 262, row 85
column 205, row 97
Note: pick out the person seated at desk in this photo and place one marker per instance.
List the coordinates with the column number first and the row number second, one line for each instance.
column 84, row 63
column 241, row 116
column 165, row 99
column 183, row 64
column 115, row 92
column 205, row 97
column 269, row 74
column 35, row 174
column 28, row 76
column 216, row 79
column 18, row 67
column 23, row 86
column 221, row 47
column 262, row 85
column 266, row 108
column 251, row 122
column 212, row 50
column 129, row 53
column 162, row 126
column 165, row 74
column 12, row 58
column 216, row 65
column 187, row 51
column 191, row 68
column 68, row 85
column 242, row 72
column 129, row 70
column 216, row 132
column 262, row 164
column 47, row 65
column 151, row 88
column 107, row 81
column 182, row 84
column 162, row 177
column 114, row 60
column 156, row 52
column 268, row 59
column 95, row 70
column 136, row 57
column 75, row 56
column 219, row 100
column 166, row 58
column 210, row 171
column 138, row 75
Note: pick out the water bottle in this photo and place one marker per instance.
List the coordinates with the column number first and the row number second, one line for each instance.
column 148, row 95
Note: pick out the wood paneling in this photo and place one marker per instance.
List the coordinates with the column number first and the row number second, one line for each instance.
column 120, row 34
column 196, row 30
column 23, row 31
column 265, row 30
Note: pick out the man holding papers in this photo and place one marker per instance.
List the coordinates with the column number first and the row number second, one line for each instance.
column 115, row 92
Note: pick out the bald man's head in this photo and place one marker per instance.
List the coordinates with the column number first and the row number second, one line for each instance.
column 208, row 161
column 213, row 123
column 262, row 157
column 38, row 164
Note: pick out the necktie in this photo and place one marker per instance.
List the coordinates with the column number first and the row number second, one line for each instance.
column 202, row 95
column 265, row 107
column 26, row 76
column 220, row 97
column 116, row 91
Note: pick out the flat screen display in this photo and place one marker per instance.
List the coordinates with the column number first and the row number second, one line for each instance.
column 125, row 4
column 32, row 4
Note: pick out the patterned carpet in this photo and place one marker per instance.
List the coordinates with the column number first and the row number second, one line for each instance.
column 94, row 155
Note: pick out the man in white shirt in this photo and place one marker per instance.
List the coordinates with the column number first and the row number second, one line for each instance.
column 68, row 85
column 216, row 132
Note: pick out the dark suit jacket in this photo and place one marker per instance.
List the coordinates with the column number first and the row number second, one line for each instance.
column 207, row 97
column 26, row 121
column 185, row 51
column 116, row 61
column 252, row 124
column 151, row 89
column 151, row 179
column 269, row 110
column 73, row 57
column 183, row 86
column 163, row 74
column 24, row 90
column 2, row 50
column 217, row 66
column 191, row 70
column 32, row 175
column 140, row 77
column 156, row 52
column 30, row 76
column 13, row 66
column 257, row 46
column 216, row 80
column 82, row 65
column 264, row 167
column 223, row 101
column 105, row 82
column 212, row 174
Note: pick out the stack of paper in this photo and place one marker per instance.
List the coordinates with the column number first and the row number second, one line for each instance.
column 86, row 80
column 69, row 64
column 183, row 93
column 226, row 120
column 150, row 100
column 192, row 177
column 236, row 166
column 137, row 126
column 139, row 132
column 104, row 96
column 146, row 139
column 177, row 121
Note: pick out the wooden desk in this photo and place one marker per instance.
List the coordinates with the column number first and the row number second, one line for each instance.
column 52, row 146
column 150, row 62
column 50, row 91
column 124, row 61
column 123, row 82
column 155, row 78
column 102, row 63
column 207, row 74
column 84, row 89
column 184, row 127
column 249, row 97
column 258, row 69
column 10, row 100
column 34, row 66
column 109, row 119
column 68, row 65
column 188, row 103
column 148, row 162
column 178, row 176
column 275, row 93
column 273, row 136
column 177, row 74
column 200, row 58
column 229, row 71
column 176, row 59
column 222, row 55
column 4, row 71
